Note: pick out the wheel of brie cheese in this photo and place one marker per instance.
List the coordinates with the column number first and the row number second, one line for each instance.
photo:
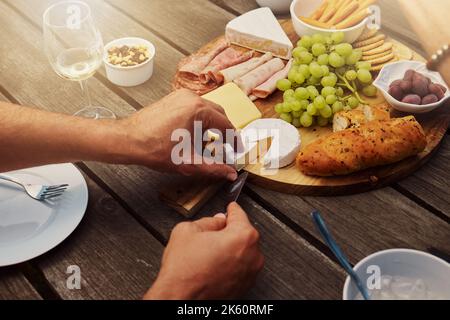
column 283, row 148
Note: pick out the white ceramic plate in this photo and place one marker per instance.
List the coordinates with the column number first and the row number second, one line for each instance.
column 29, row 228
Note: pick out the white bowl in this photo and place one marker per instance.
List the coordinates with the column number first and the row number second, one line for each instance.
column 130, row 76
column 304, row 8
column 406, row 263
column 277, row 6
column 395, row 71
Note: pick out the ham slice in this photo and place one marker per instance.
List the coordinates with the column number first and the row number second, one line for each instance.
column 269, row 87
column 225, row 59
column 193, row 85
column 259, row 75
column 199, row 61
column 242, row 69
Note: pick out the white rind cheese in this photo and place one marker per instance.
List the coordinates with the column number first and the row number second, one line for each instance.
column 284, row 148
column 259, row 30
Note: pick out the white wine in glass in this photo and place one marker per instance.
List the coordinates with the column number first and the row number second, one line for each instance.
column 74, row 47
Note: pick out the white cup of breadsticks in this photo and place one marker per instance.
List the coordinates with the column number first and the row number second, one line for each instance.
column 327, row 16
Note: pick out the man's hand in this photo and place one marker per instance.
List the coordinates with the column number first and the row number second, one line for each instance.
column 151, row 129
column 213, row 258
column 31, row 137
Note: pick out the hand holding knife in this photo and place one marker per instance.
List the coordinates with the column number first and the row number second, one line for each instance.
column 233, row 190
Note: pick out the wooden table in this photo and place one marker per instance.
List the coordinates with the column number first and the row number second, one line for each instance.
column 119, row 244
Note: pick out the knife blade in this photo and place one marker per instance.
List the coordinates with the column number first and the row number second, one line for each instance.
column 233, row 190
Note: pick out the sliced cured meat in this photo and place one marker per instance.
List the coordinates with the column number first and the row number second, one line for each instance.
column 223, row 60
column 242, row 69
column 269, row 87
column 259, row 75
column 193, row 85
column 198, row 62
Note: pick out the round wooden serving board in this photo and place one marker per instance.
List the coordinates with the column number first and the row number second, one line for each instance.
column 291, row 180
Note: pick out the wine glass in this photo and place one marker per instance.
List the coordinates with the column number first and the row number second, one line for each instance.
column 74, row 47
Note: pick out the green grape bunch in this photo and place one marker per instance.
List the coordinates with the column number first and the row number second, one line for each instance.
column 326, row 77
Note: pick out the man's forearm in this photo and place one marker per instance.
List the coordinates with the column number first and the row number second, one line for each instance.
column 30, row 137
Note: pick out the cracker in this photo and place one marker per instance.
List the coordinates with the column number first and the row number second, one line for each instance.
column 385, row 47
column 376, row 56
column 382, row 59
column 372, row 46
column 378, row 67
column 367, row 34
column 364, row 43
column 402, row 52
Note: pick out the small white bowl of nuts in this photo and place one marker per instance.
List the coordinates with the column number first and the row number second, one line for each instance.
column 129, row 61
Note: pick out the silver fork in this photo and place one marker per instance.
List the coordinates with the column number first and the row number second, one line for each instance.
column 36, row 191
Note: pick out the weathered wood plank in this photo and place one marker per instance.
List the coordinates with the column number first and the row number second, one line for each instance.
column 137, row 187
column 140, row 193
column 2, row 97
column 294, row 269
column 27, row 67
column 431, row 183
column 118, row 258
column 237, row 6
column 365, row 223
column 147, row 181
column 113, row 24
column 14, row 286
column 187, row 24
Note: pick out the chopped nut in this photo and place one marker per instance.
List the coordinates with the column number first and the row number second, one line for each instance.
column 126, row 56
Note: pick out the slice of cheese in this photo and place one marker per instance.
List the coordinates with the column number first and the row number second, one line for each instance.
column 259, row 30
column 238, row 107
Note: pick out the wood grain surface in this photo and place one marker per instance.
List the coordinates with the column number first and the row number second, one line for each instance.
column 13, row 285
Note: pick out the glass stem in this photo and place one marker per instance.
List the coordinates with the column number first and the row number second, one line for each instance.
column 85, row 92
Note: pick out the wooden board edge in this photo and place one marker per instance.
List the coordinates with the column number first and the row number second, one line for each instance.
column 344, row 190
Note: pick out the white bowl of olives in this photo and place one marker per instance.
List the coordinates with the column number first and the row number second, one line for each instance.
column 408, row 86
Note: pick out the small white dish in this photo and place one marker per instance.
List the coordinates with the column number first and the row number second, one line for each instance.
column 30, row 228
column 277, row 6
column 304, row 8
column 404, row 263
column 134, row 75
column 395, row 71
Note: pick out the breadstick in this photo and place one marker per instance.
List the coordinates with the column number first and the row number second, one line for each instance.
column 352, row 20
column 367, row 3
column 347, row 12
column 315, row 23
column 329, row 12
column 343, row 4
